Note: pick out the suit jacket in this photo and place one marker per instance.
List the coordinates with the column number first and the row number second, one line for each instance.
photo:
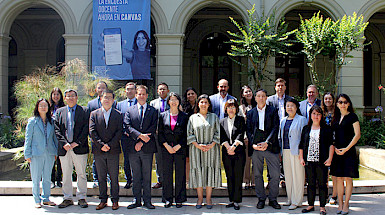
column 133, row 127
column 101, row 135
column 215, row 103
column 157, row 103
column 270, row 134
column 96, row 104
column 80, row 129
column 273, row 101
column 123, row 105
column 238, row 133
column 35, row 142
column 176, row 136
column 303, row 105
column 326, row 139
column 295, row 132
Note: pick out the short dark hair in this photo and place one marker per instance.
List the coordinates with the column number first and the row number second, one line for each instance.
column 131, row 83
column 101, row 82
column 162, row 83
column 138, row 87
column 293, row 100
column 280, row 80
column 203, row 96
column 70, row 90
column 173, row 94
column 232, row 103
column 108, row 91
column 36, row 110
column 261, row 89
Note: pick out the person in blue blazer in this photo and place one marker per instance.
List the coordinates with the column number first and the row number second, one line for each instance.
column 305, row 105
column 218, row 100
column 289, row 137
column 40, row 150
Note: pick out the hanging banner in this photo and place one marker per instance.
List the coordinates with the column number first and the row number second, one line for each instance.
column 121, row 39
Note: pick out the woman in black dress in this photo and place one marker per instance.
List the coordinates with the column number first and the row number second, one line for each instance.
column 344, row 166
column 232, row 132
column 172, row 133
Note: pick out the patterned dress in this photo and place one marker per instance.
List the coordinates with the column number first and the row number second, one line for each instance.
column 205, row 167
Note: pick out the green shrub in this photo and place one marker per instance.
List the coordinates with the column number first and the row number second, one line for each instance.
column 8, row 138
column 372, row 131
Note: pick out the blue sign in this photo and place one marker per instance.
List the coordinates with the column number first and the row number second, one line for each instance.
column 121, row 39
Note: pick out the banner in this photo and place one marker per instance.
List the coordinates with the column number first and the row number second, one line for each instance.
column 121, row 39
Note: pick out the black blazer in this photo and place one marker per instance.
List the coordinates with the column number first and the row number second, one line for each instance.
column 238, row 133
column 80, row 129
column 101, row 135
column 326, row 139
column 132, row 126
column 270, row 135
column 176, row 136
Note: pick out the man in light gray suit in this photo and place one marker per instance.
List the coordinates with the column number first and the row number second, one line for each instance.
column 218, row 100
column 312, row 99
column 278, row 100
column 161, row 105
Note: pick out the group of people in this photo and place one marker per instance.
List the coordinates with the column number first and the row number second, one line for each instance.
column 186, row 134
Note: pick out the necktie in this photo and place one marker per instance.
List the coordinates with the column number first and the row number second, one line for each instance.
column 70, row 127
column 162, row 106
column 141, row 114
column 130, row 101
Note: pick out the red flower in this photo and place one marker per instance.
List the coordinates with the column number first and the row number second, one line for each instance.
column 380, row 87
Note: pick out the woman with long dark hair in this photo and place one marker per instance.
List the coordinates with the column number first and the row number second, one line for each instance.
column 172, row 133
column 347, row 132
column 139, row 56
column 316, row 154
column 203, row 140
column 40, row 150
column 247, row 103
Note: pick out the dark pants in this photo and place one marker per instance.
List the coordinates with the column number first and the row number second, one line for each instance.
column 169, row 160
column 316, row 171
column 141, row 165
column 127, row 167
column 158, row 161
column 234, row 167
column 56, row 174
column 107, row 163
column 272, row 161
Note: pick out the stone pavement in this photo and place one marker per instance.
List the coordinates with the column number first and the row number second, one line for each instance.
column 367, row 204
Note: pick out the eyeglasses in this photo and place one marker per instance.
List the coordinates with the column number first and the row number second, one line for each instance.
column 343, row 102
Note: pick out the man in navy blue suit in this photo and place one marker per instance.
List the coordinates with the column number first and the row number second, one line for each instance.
column 312, row 99
column 140, row 122
column 218, row 100
column 123, row 107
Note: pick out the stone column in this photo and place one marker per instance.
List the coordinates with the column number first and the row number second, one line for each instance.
column 77, row 46
column 352, row 79
column 4, row 46
column 169, row 57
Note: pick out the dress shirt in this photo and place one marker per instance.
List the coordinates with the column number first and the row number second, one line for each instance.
column 222, row 102
column 70, row 122
column 308, row 107
column 313, row 151
column 261, row 115
column 144, row 109
column 281, row 107
column 106, row 115
column 130, row 102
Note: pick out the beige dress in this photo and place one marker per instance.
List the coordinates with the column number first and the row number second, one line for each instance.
column 205, row 167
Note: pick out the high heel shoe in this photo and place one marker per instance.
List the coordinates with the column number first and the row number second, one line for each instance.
column 339, row 211
column 344, row 212
column 307, row 211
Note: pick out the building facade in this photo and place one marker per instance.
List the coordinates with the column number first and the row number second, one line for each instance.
column 188, row 43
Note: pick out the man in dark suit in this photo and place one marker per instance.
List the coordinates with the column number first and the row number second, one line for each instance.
column 123, row 107
column 71, row 128
column 91, row 106
column 278, row 100
column 218, row 100
column 106, row 128
column 312, row 99
column 262, row 131
column 140, row 122
column 161, row 105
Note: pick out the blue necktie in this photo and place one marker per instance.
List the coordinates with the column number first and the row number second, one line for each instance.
column 70, row 125
column 130, row 101
column 141, row 114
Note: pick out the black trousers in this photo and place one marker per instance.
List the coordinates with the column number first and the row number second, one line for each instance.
column 234, row 167
column 56, row 171
column 107, row 163
column 169, row 161
column 316, row 171
column 141, row 166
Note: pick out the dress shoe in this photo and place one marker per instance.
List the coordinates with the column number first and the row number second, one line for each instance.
column 157, row 185
column 179, row 205
column 307, row 210
column 231, row 205
column 66, row 203
column 167, row 204
column 37, row 205
column 288, row 203
column 322, row 212
column 134, row 205
column 209, row 206
column 236, row 206
column 59, row 184
column 148, row 205
column 53, row 185
column 274, row 204
column 115, row 206
column 261, row 204
column 293, row 207
column 101, row 205
column 128, row 186
column 49, row 203
column 82, row 203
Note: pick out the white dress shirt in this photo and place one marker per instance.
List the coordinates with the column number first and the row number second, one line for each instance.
column 106, row 115
column 261, row 115
column 281, row 107
column 222, row 102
